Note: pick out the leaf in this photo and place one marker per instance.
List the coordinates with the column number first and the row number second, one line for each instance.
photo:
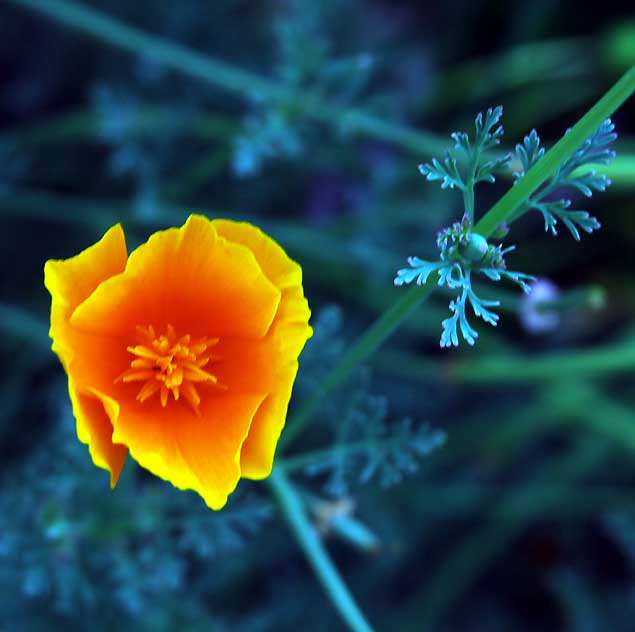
column 419, row 270
column 485, row 138
column 370, row 447
column 485, row 172
column 528, row 153
column 447, row 172
column 575, row 221
column 594, row 150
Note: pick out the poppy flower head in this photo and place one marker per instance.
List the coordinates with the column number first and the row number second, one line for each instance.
column 183, row 354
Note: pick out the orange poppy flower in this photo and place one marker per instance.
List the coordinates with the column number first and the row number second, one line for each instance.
column 183, row 354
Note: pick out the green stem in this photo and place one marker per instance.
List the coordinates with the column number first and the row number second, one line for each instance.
column 316, row 457
column 589, row 297
column 596, row 363
column 621, row 171
column 468, row 193
column 293, row 511
column 365, row 346
column 145, row 119
column 246, row 84
column 513, row 368
column 549, row 163
column 468, row 198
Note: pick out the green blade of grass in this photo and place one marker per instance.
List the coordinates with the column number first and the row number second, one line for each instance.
column 293, row 511
column 599, row 362
column 550, row 162
column 361, row 350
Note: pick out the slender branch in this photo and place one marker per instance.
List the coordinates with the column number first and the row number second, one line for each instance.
column 293, row 511
column 145, row 119
column 326, row 455
column 361, row 350
column 228, row 77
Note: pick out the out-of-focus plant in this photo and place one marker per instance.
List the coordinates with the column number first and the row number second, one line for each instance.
column 76, row 553
column 306, row 59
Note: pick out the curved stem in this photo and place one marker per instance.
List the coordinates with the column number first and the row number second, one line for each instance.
column 337, row 591
column 365, row 346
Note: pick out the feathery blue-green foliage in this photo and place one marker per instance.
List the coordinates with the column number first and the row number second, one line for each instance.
column 595, row 151
column 463, row 252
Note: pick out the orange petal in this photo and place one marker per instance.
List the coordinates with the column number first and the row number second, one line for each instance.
column 256, row 457
column 198, row 452
column 71, row 281
column 94, row 414
column 282, row 271
column 188, row 277
column 269, row 365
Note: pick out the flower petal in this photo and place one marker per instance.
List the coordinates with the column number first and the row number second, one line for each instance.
column 269, row 365
column 190, row 278
column 192, row 452
column 278, row 351
column 94, row 414
column 281, row 270
column 71, row 281
column 256, row 457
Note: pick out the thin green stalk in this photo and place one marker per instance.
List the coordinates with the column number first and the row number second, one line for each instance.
column 293, row 511
column 246, row 84
column 588, row 297
column 145, row 118
column 468, row 192
column 550, row 162
column 468, row 197
column 521, row 65
column 597, row 362
column 361, row 350
column 514, row 368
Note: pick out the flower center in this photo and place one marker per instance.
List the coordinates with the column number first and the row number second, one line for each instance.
column 167, row 364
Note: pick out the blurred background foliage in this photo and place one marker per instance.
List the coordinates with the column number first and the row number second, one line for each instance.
column 482, row 489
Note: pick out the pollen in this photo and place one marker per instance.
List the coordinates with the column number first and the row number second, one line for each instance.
column 171, row 365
